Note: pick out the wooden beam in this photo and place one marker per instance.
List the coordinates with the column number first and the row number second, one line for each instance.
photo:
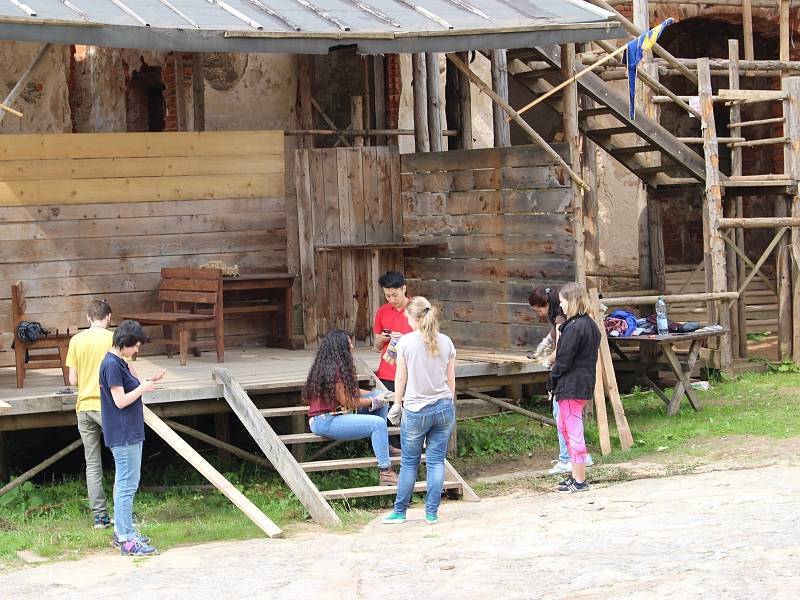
column 209, row 472
column 17, row 481
column 465, row 105
column 716, row 277
column 434, row 101
column 419, row 87
column 759, row 222
column 501, row 403
column 327, row 119
column 669, row 298
column 379, row 96
column 791, row 162
column 518, row 119
column 275, row 450
column 499, row 67
column 733, row 262
column 198, row 92
column 304, row 107
column 609, row 379
column 742, row 256
column 784, row 39
column 762, row 259
column 20, row 85
column 222, row 445
column 572, row 137
column 747, row 26
column 600, row 411
column 357, row 118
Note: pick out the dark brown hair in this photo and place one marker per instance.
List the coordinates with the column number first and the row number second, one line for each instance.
column 540, row 296
column 98, row 310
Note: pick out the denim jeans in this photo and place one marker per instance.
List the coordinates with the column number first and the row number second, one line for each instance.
column 128, row 462
column 90, row 426
column 563, row 453
column 432, row 425
column 364, row 424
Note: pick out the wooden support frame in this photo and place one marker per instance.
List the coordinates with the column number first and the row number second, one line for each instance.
column 191, row 455
column 744, row 258
column 716, row 274
column 275, row 450
column 763, row 258
column 499, row 68
column 517, row 119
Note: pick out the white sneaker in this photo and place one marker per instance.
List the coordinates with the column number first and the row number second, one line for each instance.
column 560, row 467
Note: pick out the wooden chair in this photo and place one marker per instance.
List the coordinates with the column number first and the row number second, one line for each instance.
column 25, row 359
column 191, row 301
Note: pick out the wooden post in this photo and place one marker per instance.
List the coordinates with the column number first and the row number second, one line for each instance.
column 784, row 30
column 304, row 108
column 215, row 477
column 222, row 427
column 572, row 137
column 181, row 103
column 419, row 85
column 357, row 118
column 600, row 411
column 716, row 277
column 198, row 92
column 40, row 467
column 791, row 162
column 738, row 209
column 379, row 95
column 465, row 105
column 275, row 450
column 747, row 25
column 434, row 103
column 499, row 66
column 641, row 20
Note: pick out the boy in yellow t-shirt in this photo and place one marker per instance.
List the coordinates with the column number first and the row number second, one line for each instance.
column 86, row 351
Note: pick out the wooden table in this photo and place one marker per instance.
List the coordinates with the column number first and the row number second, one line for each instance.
column 253, row 294
column 665, row 345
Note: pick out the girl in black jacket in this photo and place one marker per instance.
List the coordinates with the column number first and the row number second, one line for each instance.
column 572, row 377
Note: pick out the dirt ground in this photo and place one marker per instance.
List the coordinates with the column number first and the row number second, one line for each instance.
column 726, row 529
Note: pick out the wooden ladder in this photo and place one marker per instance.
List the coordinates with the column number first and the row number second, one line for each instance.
column 276, row 448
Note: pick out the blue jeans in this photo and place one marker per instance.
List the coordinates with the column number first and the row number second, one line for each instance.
column 563, row 454
column 432, row 425
column 357, row 427
column 128, row 463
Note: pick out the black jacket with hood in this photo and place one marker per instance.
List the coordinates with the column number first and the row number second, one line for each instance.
column 572, row 375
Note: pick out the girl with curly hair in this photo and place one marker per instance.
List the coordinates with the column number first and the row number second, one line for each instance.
column 338, row 410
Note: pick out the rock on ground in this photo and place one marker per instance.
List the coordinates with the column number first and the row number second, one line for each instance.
column 725, row 534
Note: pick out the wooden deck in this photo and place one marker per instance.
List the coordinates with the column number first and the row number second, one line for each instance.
column 45, row 402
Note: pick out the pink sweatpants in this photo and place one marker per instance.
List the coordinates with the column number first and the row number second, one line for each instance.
column 570, row 424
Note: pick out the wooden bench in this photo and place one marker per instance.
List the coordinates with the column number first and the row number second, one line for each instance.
column 191, row 301
column 25, row 359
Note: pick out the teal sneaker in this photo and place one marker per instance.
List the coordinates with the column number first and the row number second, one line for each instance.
column 431, row 519
column 394, row 517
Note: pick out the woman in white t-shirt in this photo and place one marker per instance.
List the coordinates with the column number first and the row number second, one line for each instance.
column 425, row 385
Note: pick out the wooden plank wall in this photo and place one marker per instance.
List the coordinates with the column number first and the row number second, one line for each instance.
column 505, row 214
column 87, row 216
column 346, row 196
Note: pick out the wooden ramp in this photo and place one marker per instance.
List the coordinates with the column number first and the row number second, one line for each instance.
column 276, row 448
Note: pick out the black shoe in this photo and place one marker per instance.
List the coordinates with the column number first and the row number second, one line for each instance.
column 571, row 486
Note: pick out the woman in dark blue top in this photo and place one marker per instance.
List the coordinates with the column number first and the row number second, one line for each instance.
column 123, row 430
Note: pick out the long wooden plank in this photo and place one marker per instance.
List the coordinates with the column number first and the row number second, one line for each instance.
column 132, row 145
column 140, row 189
column 522, row 201
column 17, row 481
column 98, row 168
column 600, row 412
column 174, row 225
column 346, row 227
column 512, row 156
column 276, row 451
column 554, row 224
column 306, row 235
column 499, row 402
column 209, row 472
column 214, row 206
column 485, row 179
column 381, row 490
column 317, row 200
column 609, row 379
column 489, row 269
column 333, row 234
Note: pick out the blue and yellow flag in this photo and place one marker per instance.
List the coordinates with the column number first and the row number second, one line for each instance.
column 635, row 52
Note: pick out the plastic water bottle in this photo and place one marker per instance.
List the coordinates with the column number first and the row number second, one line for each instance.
column 662, row 324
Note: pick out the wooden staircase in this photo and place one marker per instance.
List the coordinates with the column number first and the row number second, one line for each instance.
column 276, row 448
column 609, row 126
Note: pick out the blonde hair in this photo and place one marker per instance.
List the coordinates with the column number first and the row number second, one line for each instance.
column 577, row 300
column 427, row 318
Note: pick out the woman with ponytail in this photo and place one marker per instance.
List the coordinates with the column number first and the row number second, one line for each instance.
column 425, row 385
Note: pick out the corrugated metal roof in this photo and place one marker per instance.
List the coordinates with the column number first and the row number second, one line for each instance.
column 306, row 26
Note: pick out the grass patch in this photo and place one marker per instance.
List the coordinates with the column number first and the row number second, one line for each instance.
column 53, row 520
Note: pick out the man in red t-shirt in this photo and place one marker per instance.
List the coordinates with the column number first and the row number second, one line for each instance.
column 390, row 323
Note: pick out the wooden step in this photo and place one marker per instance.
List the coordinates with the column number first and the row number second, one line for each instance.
column 594, row 112
column 305, row 438
column 659, row 169
column 342, row 464
column 381, row 490
column 628, row 150
column 246, row 310
column 284, row 411
column 608, row 131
